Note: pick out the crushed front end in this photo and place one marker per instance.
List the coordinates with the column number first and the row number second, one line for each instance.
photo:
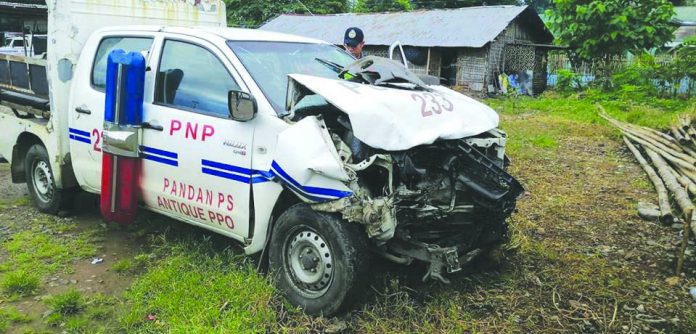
column 452, row 200
column 425, row 166
column 444, row 203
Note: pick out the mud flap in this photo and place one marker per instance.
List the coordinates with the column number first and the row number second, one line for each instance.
column 125, row 79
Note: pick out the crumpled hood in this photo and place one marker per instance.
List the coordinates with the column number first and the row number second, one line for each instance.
column 398, row 119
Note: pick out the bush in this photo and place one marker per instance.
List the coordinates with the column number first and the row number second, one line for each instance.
column 567, row 82
column 638, row 76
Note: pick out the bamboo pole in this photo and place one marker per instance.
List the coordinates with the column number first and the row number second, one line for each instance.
column 678, row 193
column 688, row 226
column 685, row 134
column 666, row 216
column 675, row 157
column 680, row 196
column 687, row 183
column 641, row 133
column 678, row 135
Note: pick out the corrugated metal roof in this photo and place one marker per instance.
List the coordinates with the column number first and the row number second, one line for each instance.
column 461, row 27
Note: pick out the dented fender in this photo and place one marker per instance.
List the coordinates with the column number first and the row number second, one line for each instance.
column 307, row 163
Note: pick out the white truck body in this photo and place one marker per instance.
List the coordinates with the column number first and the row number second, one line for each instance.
column 212, row 171
column 16, row 46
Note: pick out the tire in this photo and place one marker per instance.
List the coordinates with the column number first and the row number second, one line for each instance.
column 40, row 181
column 319, row 262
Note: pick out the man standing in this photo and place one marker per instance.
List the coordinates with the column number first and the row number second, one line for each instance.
column 353, row 41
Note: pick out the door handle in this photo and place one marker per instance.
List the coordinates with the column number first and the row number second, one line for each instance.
column 148, row 125
column 83, row 110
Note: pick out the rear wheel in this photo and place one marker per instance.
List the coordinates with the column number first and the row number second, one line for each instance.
column 40, row 181
column 320, row 261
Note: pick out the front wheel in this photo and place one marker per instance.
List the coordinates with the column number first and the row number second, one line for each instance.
column 320, row 262
column 40, row 181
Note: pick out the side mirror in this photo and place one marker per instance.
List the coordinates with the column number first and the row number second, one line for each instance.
column 242, row 106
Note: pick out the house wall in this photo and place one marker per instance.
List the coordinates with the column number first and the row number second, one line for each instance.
column 516, row 58
column 471, row 68
column 478, row 69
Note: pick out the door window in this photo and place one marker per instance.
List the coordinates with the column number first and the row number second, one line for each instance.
column 191, row 77
column 128, row 44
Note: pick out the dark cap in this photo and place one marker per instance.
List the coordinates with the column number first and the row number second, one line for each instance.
column 353, row 36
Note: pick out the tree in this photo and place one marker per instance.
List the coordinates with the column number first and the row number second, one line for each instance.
column 597, row 30
column 539, row 5
column 251, row 14
column 377, row 6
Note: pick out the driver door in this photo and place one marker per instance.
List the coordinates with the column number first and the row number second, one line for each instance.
column 196, row 166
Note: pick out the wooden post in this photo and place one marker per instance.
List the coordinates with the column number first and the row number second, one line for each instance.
column 427, row 63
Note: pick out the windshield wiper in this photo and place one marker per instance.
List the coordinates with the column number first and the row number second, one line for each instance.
column 331, row 65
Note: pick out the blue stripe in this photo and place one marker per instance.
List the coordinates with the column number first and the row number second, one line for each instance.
column 230, row 176
column 227, row 167
column 309, row 190
column 259, row 179
column 81, row 139
column 161, row 160
column 79, row 132
column 299, row 191
column 248, row 176
column 160, row 152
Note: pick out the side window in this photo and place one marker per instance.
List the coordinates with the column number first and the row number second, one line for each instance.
column 128, row 44
column 193, row 78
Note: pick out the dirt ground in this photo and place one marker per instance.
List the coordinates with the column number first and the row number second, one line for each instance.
column 17, row 215
column 580, row 260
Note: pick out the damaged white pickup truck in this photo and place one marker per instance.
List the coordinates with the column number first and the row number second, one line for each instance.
column 285, row 144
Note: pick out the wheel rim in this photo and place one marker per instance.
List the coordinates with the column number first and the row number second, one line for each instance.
column 42, row 181
column 308, row 262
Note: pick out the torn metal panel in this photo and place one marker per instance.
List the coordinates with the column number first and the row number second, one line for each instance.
column 307, row 162
column 398, row 119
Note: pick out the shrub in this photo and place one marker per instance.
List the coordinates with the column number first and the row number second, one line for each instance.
column 567, row 82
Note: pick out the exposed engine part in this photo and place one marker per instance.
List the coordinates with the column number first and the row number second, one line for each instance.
column 378, row 215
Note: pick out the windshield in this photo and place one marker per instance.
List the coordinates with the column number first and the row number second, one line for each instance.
column 269, row 63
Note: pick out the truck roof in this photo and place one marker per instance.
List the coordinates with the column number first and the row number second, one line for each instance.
column 235, row 34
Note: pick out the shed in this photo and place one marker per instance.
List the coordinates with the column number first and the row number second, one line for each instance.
column 467, row 47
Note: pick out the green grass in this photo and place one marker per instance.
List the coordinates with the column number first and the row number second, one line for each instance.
column 77, row 313
column 41, row 253
column 657, row 113
column 198, row 290
column 19, row 283
column 130, row 266
column 9, row 315
column 67, row 303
